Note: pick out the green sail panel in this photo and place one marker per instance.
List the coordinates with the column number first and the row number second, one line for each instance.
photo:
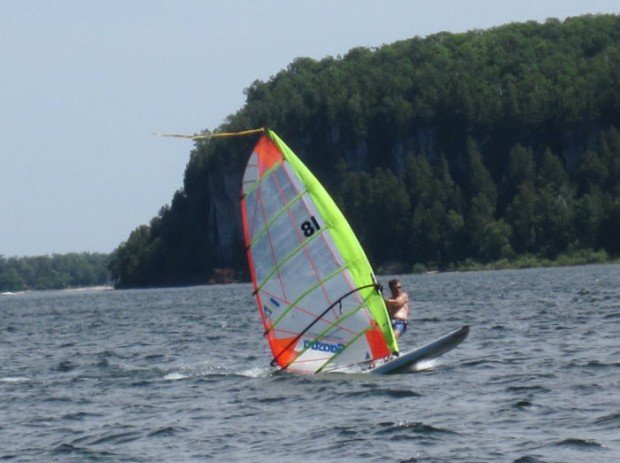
column 313, row 284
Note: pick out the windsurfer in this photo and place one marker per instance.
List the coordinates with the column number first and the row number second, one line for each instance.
column 398, row 307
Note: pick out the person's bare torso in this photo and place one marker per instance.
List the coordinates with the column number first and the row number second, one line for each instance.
column 398, row 306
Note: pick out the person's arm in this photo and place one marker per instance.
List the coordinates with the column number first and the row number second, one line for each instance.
column 394, row 304
column 388, row 306
column 399, row 301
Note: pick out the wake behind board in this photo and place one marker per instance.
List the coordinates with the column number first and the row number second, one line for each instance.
column 433, row 349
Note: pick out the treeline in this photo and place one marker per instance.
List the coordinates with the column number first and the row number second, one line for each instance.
column 440, row 150
column 57, row 271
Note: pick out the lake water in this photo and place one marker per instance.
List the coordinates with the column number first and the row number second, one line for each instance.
column 182, row 375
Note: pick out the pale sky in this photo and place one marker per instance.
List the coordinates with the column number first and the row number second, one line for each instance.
column 85, row 84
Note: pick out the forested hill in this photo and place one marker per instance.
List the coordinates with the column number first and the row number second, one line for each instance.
column 476, row 146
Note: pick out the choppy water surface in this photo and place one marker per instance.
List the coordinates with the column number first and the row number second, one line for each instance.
column 182, row 375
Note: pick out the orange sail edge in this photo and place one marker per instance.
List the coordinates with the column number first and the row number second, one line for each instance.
column 283, row 349
column 268, row 154
column 378, row 345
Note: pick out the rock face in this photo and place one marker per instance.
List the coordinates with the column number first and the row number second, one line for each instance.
column 224, row 218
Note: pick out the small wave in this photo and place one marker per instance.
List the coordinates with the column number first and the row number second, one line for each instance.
column 102, row 363
column 426, row 365
column 428, row 319
column 269, row 400
column 175, row 376
column 612, row 420
column 58, row 399
column 185, row 372
column 66, row 449
column 523, row 404
column 416, row 427
column 527, row 389
column 391, row 393
column 110, row 354
column 166, row 431
column 253, row 372
column 590, row 364
column 486, row 363
column 207, row 371
column 117, row 438
column 80, row 416
column 257, row 372
column 14, row 379
column 401, row 393
column 585, row 444
column 347, row 431
column 527, row 459
column 66, row 366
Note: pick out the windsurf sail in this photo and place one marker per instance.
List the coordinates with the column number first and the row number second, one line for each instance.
column 314, row 287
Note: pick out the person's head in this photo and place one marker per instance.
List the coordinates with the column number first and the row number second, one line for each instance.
column 394, row 286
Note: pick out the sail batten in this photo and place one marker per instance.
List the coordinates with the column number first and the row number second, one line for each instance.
column 313, row 284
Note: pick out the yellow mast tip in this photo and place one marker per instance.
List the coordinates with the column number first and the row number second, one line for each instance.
column 208, row 135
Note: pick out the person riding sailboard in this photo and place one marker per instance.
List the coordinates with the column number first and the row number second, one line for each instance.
column 319, row 301
column 398, row 307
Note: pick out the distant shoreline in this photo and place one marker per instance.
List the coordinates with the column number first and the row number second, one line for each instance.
column 522, row 262
column 88, row 288
column 419, row 269
column 77, row 289
column 585, row 257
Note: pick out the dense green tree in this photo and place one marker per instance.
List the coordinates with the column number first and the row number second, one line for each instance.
column 608, row 231
column 519, row 174
column 610, row 155
column 521, row 218
column 589, row 213
column 444, row 187
column 436, row 222
column 488, row 239
column 594, row 172
column 353, row 196
column 10, row 279
column 478, row 180
column 418, row 180
column 554, row 207
column 127, row 261
column 389, row 209
column 553, row 220
column 423, row 243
